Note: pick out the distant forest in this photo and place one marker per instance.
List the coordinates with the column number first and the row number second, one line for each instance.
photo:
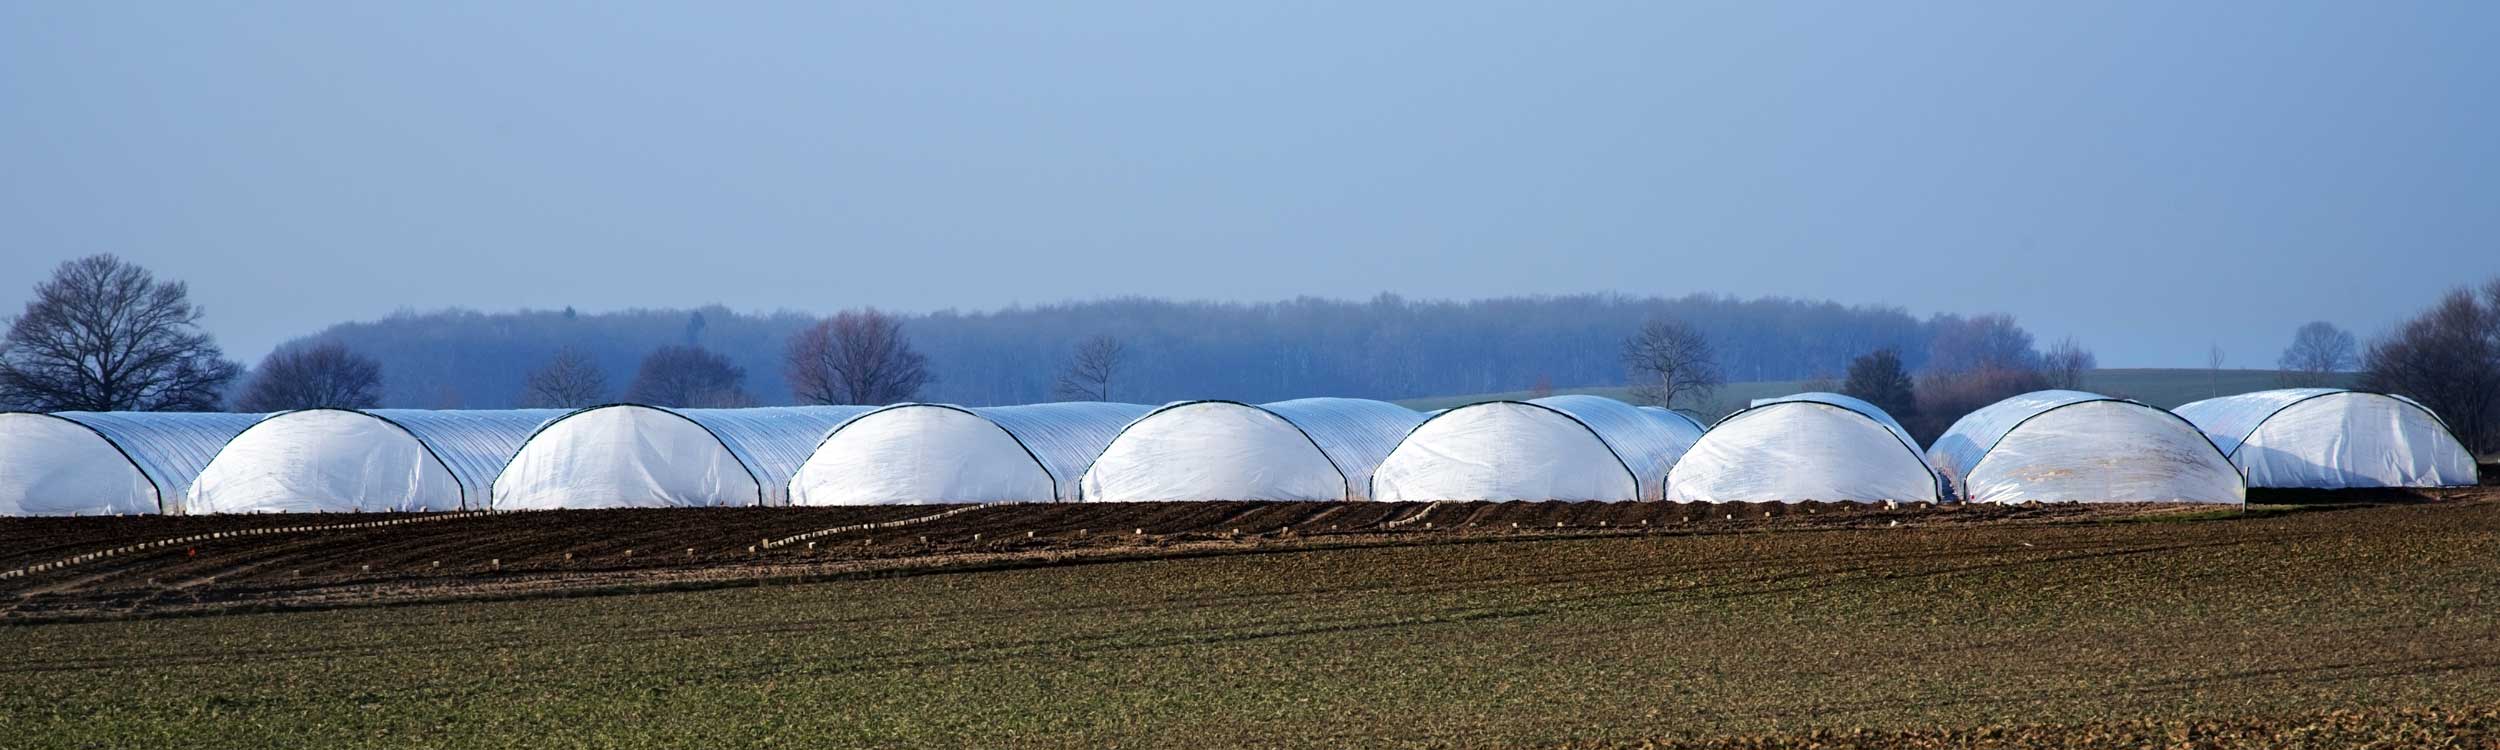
column 1387, row 347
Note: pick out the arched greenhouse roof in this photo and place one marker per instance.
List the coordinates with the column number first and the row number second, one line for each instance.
column 1302, row 449
column 2073, row 446
column 2332, row 438
column 918, row 453
column 638, row 455
column 1573, row 447
column 1801, row 447
column 54, row 473
column 340, row 460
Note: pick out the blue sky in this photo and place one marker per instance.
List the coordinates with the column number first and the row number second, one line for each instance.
column 2149, row 177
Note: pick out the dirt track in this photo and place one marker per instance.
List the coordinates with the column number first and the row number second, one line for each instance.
column 563, row 552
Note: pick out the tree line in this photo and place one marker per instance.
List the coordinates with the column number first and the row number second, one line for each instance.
column 102, row 334
column 1131, row 349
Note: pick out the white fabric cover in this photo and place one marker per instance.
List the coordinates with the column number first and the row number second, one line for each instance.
column 772, row 441
column 624, row 456
column 55, row 467
column 1649, row 441
column 1688, row 419
column 1355, row 433
column 2327, row 438
column 1214, row 450
column 475, row 443
column 1810, row 446
column 1502, row 451
column 934, row 453
column 324, row 461
column 167, row 449
column 382, row 460
column 2071, row 446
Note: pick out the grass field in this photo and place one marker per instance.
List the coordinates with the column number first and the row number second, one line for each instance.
column 2321, row 624
column 2165, row 388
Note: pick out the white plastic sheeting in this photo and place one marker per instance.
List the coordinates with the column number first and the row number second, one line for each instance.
column 2072, row 446
column 382, row 460
column 1807, row 446
column 1304, row 449
column 635, row 456
column 104, row 463
column 938, row 453
column 1574, row 447
column 2331, row 438
column 1678, row 415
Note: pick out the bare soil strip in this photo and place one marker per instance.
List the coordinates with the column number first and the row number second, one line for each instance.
column 191, row 565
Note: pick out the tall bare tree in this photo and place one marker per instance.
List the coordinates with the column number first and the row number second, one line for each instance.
column 1946, row 397
column 2319, row 354
column 1878, row 378
column 2448, row 358
column 1671, row 360
column 104, row 335
column 570, row 380
column 326, row 375
column 689, row 376
column 1980, row 343
column 2213, row 370
column 1971, row 363
column 856, row 357
column 1088, row 377
column 2066, row 364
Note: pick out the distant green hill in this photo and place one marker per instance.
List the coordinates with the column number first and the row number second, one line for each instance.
column 2165, row 388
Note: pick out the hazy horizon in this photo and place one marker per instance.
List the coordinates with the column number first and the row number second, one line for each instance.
column 2150, row 178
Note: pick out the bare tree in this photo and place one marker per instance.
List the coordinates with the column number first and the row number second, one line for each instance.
column 2213, row 369
column 1088, row 378
column 688, row 376
column 2319, row 353
column 1878, row 378
column 1971, row 363
column 104, row 335
column 570, row 380
column 1670, row 360
column 2066, row 364
column 856, row 357
column 1945, row 397
column 326, row 375
column 1980, row 343
column 2448, row 358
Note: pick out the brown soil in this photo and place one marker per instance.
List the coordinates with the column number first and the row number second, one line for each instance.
column 573, row 552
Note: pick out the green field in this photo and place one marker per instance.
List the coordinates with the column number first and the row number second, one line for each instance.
column 1485, row 642
column 2165, row 388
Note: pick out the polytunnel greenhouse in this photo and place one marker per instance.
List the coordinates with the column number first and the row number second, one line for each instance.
column 2072, row 446
column 1304, row 449
column 636, row 456
column 1807, row 446
column 938, row 453
column 2331, row 438
column 1573, row 447
column 379, row 460
column 106, row 463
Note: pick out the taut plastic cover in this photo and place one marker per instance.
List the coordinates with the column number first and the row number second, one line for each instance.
column 1574, row 447
column 2072, row 446
column 631, row 456
column 105, row 463
column 1304, row 449
column 1688, row 419
column 1650, row 442
column 2330, row 438
column 1808, row 446
column 937, row 453
column 381, row 460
